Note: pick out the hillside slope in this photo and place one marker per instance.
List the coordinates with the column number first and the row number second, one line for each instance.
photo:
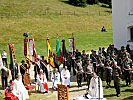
column 41, row 17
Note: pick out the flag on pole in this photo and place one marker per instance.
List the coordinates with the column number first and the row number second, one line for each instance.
column 50, row 57
column 12, row 57
column 48, row 46
column 25, row 47
column 58, row 47
column 34, row 52
column 63, row 48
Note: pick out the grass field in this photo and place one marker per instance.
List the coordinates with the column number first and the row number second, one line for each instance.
column 109, row 93
column 52, row 17
column 42, row 17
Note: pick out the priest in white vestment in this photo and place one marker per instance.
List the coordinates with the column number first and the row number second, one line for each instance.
column 95, row 88
column 20, row 88
column 55, row 77
column 95, row 91
column 65, row 76
column 42, row 82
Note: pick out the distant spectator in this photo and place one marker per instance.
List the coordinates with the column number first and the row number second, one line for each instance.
column 4, row 58
column 103, row 29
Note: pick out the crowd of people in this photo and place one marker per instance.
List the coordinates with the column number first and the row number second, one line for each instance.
column 93, row 68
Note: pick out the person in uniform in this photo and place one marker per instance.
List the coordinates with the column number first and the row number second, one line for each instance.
column 84, row 57
column 43, row 64
column 108, row 70
column 94, row 58
column 100, row 67
column 23, row 69
column 79, row 71
column 117, row 75
column 127, row 68
column 88, row 71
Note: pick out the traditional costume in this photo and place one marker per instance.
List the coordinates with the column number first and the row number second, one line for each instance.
column 9, row 94
column 65, row 76
column 42, row 81
column 55, row 77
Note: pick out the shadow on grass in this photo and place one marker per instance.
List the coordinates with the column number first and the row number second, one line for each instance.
column 77, row 90
column 110, row 95
column 1, row 87
column 128, row 98
column 128, row 90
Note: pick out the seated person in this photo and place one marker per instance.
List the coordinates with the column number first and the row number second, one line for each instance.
column 20, row 88
column 42, row 81
column 55, row 77
column 9, row 94
column 103, row 29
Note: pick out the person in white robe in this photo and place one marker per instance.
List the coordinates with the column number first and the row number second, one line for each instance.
column 95, row 88
column 55, row 77
column 42, row 82
column 14, row 91
column 65, row 76
column 95, row 91
column 20, row 88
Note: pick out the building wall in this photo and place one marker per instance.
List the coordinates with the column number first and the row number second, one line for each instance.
column 122, row 22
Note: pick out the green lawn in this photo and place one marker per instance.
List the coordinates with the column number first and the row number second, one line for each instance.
column 42, row 17
column 109, row 93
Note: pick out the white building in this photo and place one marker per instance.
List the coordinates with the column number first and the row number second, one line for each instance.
column 122, row 22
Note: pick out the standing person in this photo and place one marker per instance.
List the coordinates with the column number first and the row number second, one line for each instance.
column 88, row 71
column 95, row 88
column 77, row 53
column 4, row 75
column 20, row 88
column 23, row 69
column 42, row 81
column 79, row 71
column 100, row 67
column 117, row 74
column 4, row 58
column 55, row 77
column 73, row 64
column 94, row 58
column 36, row 68
column 127, row 68
column 128, row 49
column 43, row 64
column 108, row 70
column 16, row 67
column 65, row 76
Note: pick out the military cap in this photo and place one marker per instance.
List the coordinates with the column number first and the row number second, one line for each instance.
column 107, row 57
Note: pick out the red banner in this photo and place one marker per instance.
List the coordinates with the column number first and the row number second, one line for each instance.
column 25, row 46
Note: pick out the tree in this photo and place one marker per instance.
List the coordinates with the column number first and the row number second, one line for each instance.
column 92, row 1
column 81, row 3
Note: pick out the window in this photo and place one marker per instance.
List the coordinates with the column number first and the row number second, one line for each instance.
column 131, row 33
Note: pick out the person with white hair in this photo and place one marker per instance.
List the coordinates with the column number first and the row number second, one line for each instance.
column 42, row 82
column 55, row 77
column 65, row 76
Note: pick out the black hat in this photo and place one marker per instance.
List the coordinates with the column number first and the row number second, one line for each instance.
column 42, row 56
column 22, row 61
